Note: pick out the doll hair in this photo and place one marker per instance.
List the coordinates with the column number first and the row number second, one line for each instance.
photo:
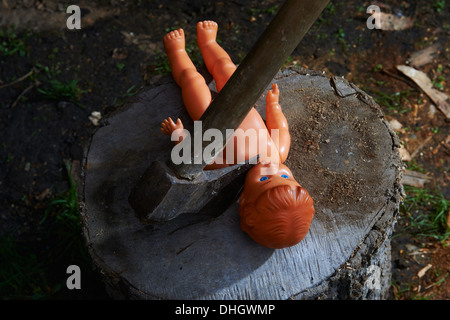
column 279, row 218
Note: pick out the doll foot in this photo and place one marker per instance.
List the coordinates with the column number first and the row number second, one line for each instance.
column 206, row 32
column 174, row 41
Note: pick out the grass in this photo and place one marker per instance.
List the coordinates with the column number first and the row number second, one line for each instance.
column 289, row 62
column 340, row 38
column 378, row 67
column 162, row 65
column 438, row 83
column 439, row 5
column 38, row 272
column 427, row 211
column 270, row 10
column 57, row 90
column 120, row 66
column 439, row 80
column 394, row 102
column 11, row 43
column 326, row 17
column 64, row 207
column 415, row 166
column 130, row 92
column 21, row 273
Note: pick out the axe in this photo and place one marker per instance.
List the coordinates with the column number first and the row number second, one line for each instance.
column 166, row 190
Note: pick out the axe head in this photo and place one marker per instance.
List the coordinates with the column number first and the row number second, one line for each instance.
column 161, row 196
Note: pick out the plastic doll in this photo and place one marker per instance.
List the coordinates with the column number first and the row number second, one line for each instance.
column 275, row 210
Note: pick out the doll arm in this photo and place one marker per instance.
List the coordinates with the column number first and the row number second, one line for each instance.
column 275, row 119
column 175, row 130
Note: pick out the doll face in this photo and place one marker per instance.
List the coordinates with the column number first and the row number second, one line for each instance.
column 258, row 180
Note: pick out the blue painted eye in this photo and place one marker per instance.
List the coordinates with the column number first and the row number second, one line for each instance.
column 263, row 178
column 285, row 176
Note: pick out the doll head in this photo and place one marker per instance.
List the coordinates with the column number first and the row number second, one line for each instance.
column 275, row 210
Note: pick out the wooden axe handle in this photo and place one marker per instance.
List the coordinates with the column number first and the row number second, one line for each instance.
column 254, row 74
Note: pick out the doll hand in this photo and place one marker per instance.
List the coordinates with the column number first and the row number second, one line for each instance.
column 168, row 126
column 272, row 95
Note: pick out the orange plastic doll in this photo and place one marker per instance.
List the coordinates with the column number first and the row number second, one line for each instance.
column 275, row 210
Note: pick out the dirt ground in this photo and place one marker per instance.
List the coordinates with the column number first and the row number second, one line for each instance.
column 52, row 79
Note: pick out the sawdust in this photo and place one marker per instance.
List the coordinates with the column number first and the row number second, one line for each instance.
column 336, row 181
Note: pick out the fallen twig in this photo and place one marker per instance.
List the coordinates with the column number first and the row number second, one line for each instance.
column 415, row 152
column 415, row 179
column 31, row 86
column 400, row 78
column 424, row 56
column 424, row 270
column 17, row 80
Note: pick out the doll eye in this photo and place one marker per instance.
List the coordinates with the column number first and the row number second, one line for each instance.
column 263, row 178
column 285, row 176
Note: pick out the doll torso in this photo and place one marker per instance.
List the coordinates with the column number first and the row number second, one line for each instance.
column 251, row 140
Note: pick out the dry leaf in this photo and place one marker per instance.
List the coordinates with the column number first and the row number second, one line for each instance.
column 424, row 56
column 404, row 154
column 421, row 79
column 120, row 53
column 415, row 179
column 390, row 22
column 44, row 194
column 423, row 144
column 422, row 271
column 395, row 125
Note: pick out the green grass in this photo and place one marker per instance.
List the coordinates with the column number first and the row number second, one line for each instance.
column 414, row 166
column 394, row 102
column 130, row 92
column 63, row 213
column 120, row 66
column 162, row 65
column 21, row 272
column 11, row 43
column 64, row 206
column 38, row 272
column 427, row 213
column 289, row 62
column 257, row 11
column 378, row 67
column 340, row 38
column 67, row 91
column 439, row 5
column 438, row 83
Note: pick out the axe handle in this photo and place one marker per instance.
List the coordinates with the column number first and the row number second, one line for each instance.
column 254, row 74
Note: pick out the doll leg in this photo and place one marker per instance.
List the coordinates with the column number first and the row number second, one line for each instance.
column 216, row 59
column 195, row 92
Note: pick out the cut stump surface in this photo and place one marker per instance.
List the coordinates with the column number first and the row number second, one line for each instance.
column 342, row 151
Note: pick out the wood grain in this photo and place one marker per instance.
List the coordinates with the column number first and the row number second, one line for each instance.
column 343, row 152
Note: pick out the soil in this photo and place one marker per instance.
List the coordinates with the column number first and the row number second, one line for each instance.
column 118, row 52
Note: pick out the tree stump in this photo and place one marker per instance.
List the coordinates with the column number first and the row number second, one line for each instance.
column 342, row 151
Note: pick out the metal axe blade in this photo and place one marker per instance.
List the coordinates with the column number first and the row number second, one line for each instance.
column 161, row 196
